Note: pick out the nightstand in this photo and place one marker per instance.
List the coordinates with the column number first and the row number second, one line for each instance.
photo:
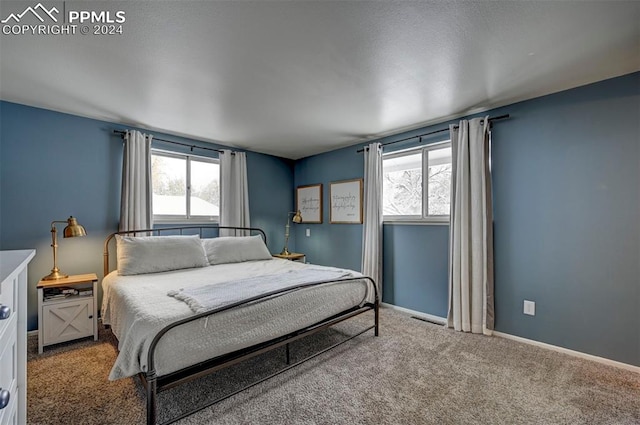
column 293, row 256
column 67, row 316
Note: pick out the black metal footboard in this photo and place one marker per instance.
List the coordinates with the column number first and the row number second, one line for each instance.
column 155, row 384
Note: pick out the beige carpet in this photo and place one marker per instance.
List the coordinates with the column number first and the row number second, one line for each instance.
column 414, row 373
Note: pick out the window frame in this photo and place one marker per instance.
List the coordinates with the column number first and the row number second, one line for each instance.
column 187, row 218
column 425, row 218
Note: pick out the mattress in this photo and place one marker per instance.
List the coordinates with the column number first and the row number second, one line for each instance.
column 138, row 307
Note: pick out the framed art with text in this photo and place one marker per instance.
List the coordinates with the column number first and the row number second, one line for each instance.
column 345, row 198
column 309, row 203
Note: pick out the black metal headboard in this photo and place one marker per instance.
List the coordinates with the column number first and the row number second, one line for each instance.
column 180, row 230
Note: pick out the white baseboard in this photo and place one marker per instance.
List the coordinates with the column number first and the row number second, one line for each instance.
column 430, row 317
column 443, row 321
column 574, row 353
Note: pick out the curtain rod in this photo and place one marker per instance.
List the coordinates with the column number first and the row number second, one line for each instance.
column 420, row 136
column 191, row 147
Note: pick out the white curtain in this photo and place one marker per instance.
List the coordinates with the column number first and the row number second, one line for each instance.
column 471, row 231
column 136, row 210
column 234, row 191
column 372, row 232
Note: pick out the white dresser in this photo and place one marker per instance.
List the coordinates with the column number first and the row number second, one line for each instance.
column 13, row 336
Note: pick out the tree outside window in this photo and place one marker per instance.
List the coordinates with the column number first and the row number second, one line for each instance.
column 416, row 184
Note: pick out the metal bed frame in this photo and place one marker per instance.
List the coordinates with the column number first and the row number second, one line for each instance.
column 155, row 384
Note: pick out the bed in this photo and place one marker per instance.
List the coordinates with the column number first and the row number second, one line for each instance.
column 184, row 302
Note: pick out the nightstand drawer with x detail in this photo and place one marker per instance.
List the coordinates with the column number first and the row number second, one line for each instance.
column 67, row 320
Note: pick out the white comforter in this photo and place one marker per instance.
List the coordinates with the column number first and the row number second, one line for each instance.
column 137, row 307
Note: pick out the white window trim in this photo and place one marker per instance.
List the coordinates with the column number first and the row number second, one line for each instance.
column 178, row 219
column 425, row 219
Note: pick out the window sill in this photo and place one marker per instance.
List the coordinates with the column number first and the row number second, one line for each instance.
column 416, row 222
column 180, row 222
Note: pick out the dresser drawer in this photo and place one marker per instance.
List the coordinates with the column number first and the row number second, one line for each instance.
column 9, row 415
column 8, row 295
column 8, row 370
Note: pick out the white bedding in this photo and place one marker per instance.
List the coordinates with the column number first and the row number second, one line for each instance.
column 137, row 307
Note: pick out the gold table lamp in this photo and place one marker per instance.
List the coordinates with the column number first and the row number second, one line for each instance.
column 73, row 229
column 297, row 218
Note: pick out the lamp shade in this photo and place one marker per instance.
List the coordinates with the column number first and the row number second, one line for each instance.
column 297, row 218
column 73, row 229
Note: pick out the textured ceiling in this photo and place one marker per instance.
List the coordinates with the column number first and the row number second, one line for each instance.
column 296, row 78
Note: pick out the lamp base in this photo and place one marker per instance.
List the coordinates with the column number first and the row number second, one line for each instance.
column 55, row 275
column 285, row 251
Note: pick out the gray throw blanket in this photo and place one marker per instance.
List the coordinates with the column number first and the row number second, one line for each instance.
column 208, row 297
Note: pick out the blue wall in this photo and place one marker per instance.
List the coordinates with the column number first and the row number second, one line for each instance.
column 53, row 165
column 566, row 173
column 415, row 267
column 338, row 245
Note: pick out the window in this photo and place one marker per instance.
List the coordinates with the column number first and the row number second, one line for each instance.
column 185, row 187
column 416, row 184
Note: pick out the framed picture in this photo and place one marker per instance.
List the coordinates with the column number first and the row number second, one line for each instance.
column 309, row 203
column 346, row 201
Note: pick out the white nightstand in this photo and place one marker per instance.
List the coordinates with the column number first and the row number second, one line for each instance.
column 293, row 256
column 71, row 317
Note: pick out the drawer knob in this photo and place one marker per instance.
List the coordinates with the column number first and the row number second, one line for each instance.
column 4, row 398
column 5, row 312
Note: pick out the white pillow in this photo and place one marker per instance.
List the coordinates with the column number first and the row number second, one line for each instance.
column 235, row 249
column 153, row 254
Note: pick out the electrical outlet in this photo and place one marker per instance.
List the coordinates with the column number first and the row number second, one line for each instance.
column 308, row 232
column 529, row 308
